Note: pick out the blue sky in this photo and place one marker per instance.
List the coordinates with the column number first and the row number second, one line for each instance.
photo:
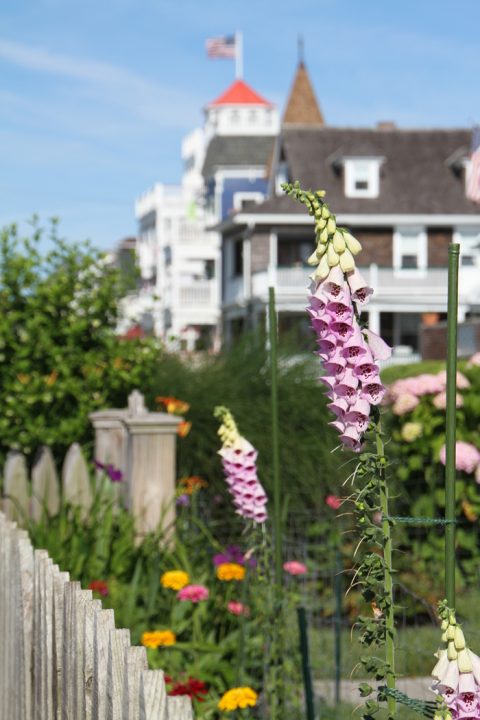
column 95, row 96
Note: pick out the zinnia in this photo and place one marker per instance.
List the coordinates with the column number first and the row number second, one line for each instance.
column 194, row 593
column 467, row 457
column 237, row 608
column 157, row 638
column 99, row 586
column 294, row 567
column 230, row 571
column 236, row 698
column 175, row 579
column 333, row 502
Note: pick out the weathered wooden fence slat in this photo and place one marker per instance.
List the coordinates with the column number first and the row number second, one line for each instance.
column 62, row 658
column 16, row 504
column 45, row 487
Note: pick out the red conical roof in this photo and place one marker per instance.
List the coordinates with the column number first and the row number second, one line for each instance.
column 239, row 93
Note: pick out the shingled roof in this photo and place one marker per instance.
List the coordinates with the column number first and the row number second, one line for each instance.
column 302, row 106
column 241, row 151
column 416, row 176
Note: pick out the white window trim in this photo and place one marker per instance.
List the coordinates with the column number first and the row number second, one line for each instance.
column 459, row 235
column 421, row 271
column 373, row 189
column 239, row 197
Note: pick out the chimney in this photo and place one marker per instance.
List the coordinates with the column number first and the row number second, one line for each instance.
column 386, row 125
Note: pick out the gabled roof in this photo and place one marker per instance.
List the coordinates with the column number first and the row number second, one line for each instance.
column 416, row 176
column 239, row 93
column 302, row 107
column 237, row 151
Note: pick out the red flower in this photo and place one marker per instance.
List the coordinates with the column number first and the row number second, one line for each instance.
column 99, row 586
column 193, row 688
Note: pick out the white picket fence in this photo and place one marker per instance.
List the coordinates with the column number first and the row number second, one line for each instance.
column 26, row 497
column 61, row 657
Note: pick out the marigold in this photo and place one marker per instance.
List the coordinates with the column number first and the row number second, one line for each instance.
column 175, row 579
column 157, row 638
column 230, row 571
column 235, row 698
column 192, row 484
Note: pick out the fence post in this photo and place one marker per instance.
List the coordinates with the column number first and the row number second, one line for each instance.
column 16, row 503
column 45, row 487
column 76, row 480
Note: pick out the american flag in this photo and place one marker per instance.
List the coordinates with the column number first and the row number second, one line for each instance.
column 473, row 182
column 221, row 47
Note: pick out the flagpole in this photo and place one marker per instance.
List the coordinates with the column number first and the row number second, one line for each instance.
column 238, row 55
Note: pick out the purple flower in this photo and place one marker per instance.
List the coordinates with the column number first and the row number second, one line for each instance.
column 348, row 353
column 115, row 474
column 183, row 500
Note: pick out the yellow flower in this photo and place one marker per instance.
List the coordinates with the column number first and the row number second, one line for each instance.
column 230, row 571
column 158, row 638
column 175, row 579
column 235, row 698
column 184, row 428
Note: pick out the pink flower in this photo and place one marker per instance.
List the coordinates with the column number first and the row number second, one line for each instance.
column 194, row 593
column 359, row 288
column 333, row 502
column 239, row 464
column 293, row 567
column 237, row 608
column 405, row 403
column 440, row 400
column 467, row 457
column 462, row 382
column 474, row 360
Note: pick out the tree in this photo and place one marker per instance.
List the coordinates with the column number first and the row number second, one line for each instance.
column 60, row 357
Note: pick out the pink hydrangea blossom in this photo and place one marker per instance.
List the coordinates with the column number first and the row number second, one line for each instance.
column 440, row 400
column 462, row 382
column 474, row 360
column 294, row 567
column 348, row 353
column 194, row 593
column 405, row 403
column 467, row 457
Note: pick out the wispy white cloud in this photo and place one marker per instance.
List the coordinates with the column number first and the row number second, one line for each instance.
column 104, row 82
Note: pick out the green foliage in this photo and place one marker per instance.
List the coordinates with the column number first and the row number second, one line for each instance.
column 240, row 379
column 60, row 356
column 418, row 477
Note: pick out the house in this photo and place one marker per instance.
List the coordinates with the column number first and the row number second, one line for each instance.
column 401, row 193
column 178, row 256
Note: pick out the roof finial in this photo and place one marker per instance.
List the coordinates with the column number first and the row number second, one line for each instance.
column 301, row 49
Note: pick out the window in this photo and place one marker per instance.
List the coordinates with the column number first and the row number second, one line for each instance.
column 362, row 177
column 244, row 200
column 410, row 249
column 293, row 252
column 209, row 271
column 281, row 177
column 469, row 239
column 238, row 258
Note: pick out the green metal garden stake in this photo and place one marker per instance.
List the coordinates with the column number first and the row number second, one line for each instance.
column 337, row 584
column 451, row 419
column 277, row 509
column 307, row 675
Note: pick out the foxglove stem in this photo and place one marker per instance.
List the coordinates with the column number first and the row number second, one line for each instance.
column 388, row 575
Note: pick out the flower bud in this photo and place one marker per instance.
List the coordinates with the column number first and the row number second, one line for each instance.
column 321, row 193
column 320, row 224
column 321, row 249
column 451, row 652
column 331, row 225
column 450, row 632
column 347, row 263
column 325, row 212
column 444, row 625
column 322, row 270
column 459, row 638
column 313, row 259
column 323, row 237
column 451, row 618
column 464, row 662
column 332, row 256
column 352, row 243
column 339, row 242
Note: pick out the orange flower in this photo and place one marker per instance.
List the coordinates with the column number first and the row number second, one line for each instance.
column 157, row 638
column 184, row 428
column 52, row 378
column 23, row 378
column 230, row 571
column 189, row 485
column 468, row 511
column 172, row 405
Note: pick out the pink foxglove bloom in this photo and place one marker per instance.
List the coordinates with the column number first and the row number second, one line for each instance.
column 193, row 593
column 294, row 567
column 349, row 354
column 467, row 457
column 239, row 464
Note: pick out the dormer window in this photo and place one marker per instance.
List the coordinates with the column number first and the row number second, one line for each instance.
column 281, row 177
column 362, row 177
